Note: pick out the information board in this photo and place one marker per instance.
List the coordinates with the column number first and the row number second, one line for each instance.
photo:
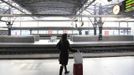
column 129, row 5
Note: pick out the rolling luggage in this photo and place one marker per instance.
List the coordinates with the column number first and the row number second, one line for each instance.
column 78, row 64
column 77, row 69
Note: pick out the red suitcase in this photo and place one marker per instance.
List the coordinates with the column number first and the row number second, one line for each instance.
column 78, row 69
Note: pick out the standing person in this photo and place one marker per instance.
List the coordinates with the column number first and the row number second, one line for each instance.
column 64, row 47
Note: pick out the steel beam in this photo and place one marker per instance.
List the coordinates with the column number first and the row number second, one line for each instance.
column 51, row 20
column 67, row 28
column 84, row 8
column 63, row 20
column 56, row 15
column 12, row 6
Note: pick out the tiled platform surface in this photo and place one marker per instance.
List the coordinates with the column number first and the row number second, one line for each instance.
column 91, row 66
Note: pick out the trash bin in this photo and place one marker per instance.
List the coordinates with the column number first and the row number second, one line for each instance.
column 78, row 64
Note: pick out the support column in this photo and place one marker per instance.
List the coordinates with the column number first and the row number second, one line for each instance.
column 95, row 21
column 9, row 25
column 127, row 28
column 119, row 29
column 95, row 28
column 100, row 24
column 80, row 32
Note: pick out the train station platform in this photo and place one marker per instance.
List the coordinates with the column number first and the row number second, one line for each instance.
column 45, row 49
column 91, row 66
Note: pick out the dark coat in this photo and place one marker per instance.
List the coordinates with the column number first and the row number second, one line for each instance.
column 64, row 47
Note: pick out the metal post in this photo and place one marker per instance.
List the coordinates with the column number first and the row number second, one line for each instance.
column 119, row 29
column 95, row 22
column 80, row 32
column 30, row 31
column 127, row 29
column 95, row 29
column 100, row 23
column 9, row 25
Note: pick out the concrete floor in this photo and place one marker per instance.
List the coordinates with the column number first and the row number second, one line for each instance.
column 91, row 66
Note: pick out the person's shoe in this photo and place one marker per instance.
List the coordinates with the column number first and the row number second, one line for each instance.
column 66, row 72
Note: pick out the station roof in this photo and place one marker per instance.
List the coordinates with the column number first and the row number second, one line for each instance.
column 52, row 7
